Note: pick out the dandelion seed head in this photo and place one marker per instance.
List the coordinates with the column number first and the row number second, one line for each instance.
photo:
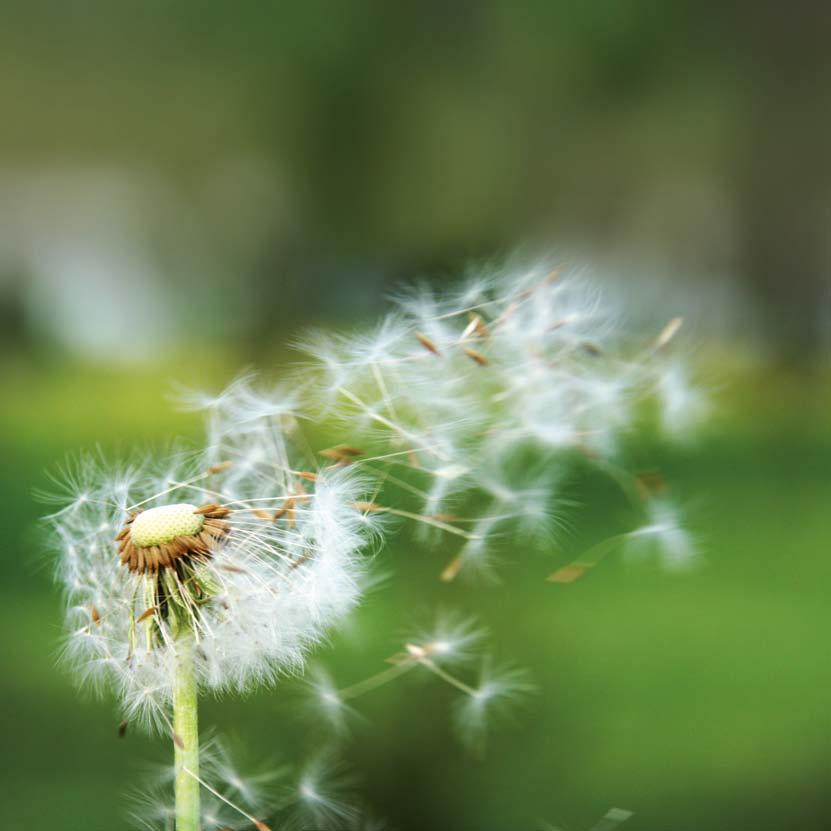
column 253, row 559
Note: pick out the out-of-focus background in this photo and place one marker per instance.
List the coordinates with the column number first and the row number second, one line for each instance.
column 185, row 185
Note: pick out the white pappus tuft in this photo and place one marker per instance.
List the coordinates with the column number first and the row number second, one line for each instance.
column 663, row 534
column 497, row 690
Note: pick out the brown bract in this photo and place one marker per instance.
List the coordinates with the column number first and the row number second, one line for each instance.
column 152, row 558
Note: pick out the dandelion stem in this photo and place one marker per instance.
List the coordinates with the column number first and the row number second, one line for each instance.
column 186, row 737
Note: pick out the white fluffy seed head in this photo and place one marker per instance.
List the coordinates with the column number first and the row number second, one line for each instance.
column 288, row 569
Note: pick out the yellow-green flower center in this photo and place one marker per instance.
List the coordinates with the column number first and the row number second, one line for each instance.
column 157, row 526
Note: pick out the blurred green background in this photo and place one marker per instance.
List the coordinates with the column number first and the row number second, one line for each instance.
column 185, row 185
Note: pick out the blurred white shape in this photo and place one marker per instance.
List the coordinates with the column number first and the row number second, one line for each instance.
column 682, row 405
column 112, row 262
column 664, row 535
column 91, row 285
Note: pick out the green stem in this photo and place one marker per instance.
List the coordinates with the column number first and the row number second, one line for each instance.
column 186, row 738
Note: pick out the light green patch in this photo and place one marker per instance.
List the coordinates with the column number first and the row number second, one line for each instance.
column 157, row 526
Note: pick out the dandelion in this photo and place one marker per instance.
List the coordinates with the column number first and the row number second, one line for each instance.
column 216, row 570
column 221, row 569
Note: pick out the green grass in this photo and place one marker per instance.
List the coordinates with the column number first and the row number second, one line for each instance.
column 696, row 701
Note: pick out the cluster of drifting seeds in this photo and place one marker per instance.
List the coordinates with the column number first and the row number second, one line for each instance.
column 470, row 408
column 474, row 405
column 319, row 794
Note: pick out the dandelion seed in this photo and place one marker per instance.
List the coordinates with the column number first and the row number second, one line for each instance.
column 368, row 507
column 664, row 534
column 322, row 797
column 681, row 406
column 427, row 343
column 612, row 818
column 569, row 573
column 326, row 699
column 476, row 328
column 452, row 569
column 498, row 689
column 667, row 333
column 342, row 453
